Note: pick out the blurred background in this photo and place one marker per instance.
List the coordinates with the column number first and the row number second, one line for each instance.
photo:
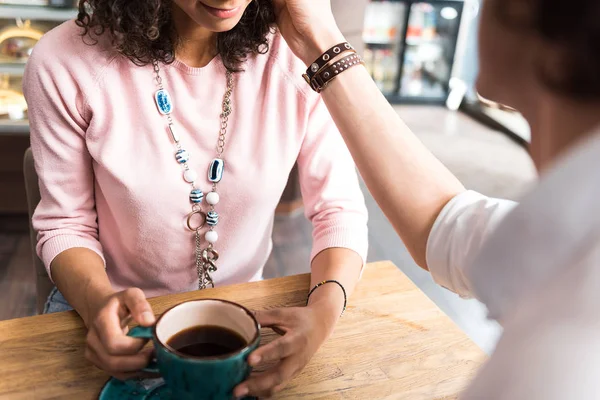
column 423, row 57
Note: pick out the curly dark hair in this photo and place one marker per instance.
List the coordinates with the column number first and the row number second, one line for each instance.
column 144, row 31
column 572, row 26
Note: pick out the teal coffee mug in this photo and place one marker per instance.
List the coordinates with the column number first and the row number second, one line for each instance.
column 202, row 347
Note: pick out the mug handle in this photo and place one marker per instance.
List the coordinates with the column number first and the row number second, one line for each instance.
column 143, row 332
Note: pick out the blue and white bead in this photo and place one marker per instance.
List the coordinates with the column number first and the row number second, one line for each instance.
column 196, row 196
column 182, row 156
column 212, row 218
column 215, row 171
column 163, row 102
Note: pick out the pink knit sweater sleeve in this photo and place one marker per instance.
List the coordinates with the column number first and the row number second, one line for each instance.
column 333, row 200
column 66, row 216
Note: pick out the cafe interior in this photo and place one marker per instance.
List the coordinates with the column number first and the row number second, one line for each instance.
column 402, row 337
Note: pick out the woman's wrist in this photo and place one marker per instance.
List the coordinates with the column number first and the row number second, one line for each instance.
column 95, row 299
column 328, row 301
column 320, row 41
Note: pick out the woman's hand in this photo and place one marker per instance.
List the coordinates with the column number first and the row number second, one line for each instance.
column 303, row 330
column 108, row 346
column 308, row 27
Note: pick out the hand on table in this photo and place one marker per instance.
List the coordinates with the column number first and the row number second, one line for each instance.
column 108, row 346
column 308, row 27
column 303, row 330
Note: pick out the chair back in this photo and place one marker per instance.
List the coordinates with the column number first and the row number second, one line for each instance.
column 43, row 283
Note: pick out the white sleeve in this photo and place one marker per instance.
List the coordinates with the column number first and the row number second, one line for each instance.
column 458, row 234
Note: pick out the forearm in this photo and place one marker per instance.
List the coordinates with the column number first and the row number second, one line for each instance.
column 342, row 265
column 80, row 276
column 410, row 185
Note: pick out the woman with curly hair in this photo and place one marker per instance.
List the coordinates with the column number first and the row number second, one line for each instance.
column 163, row 133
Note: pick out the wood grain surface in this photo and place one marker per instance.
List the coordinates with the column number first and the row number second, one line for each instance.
column 392, row 343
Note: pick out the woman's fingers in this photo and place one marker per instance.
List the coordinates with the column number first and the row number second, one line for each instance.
column 271, row 318
column 278, row 349
column 276, row 320
column 116, row 364
column 110, row 320
column 108, row 346
column 95, row 344
column 107, row 328
column 139, row 308
column 269, row 382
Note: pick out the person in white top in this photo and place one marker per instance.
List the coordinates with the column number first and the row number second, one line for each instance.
column 535, row 265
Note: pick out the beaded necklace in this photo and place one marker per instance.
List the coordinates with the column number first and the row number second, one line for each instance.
column 207, row 256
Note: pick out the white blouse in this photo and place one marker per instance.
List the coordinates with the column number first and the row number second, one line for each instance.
column 536, row 266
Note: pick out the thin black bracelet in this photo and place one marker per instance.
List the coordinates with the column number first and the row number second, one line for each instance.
column 328, row 281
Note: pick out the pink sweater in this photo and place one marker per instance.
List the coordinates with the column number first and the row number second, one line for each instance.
column 110, row 183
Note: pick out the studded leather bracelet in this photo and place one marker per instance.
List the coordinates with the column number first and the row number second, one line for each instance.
column 331, row 70
column 326, row 57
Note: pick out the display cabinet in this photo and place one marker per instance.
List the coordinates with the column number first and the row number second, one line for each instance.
column 411, row 47
column 22, row 24
column 21, row 27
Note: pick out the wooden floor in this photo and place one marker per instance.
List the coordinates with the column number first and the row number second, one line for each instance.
column 484, row 160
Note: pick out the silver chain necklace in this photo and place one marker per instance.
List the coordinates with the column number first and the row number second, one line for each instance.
column 207, row 256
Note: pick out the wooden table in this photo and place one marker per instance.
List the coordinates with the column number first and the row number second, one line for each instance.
column 392, row 343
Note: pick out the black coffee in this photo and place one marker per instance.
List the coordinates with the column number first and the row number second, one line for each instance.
column 207, row 341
